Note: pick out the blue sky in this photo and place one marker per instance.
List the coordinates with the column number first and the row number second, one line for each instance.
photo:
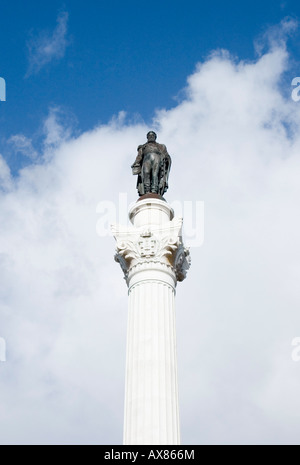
column 214, row 81
column 110, row 56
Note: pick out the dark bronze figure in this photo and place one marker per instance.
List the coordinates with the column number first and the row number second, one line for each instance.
column 152, row 165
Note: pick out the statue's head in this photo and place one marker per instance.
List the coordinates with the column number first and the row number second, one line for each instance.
column 151, row 136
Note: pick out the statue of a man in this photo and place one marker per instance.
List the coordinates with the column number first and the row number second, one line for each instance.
column 152, row 165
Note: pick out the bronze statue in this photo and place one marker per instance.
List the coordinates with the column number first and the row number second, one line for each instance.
column 152, row 165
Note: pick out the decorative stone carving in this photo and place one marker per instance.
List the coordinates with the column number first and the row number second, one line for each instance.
column 153, row 259
column 182, row 263
column 159, row 244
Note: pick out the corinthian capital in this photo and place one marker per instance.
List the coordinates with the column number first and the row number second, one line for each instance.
column 152, row 244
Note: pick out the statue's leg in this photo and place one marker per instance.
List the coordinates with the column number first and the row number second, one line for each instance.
column 146, row 176
column 155, row 177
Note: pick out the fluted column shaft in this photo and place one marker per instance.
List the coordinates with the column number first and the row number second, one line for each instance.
column 153, row 259
column 151, row 393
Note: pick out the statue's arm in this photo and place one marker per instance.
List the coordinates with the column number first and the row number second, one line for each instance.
column 136, row 166
column 164, row 150
column 166, row 156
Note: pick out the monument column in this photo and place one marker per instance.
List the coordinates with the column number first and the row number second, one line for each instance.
column 153, row 258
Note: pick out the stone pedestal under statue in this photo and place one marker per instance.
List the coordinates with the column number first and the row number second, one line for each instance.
column 153, row 259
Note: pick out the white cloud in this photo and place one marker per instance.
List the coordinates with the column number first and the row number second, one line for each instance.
column 23, row 145
column 57, row 128
column 5, row 176
column 63, row 301
column 276, row 35
column 47, row 47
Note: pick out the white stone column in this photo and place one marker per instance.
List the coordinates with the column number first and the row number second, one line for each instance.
column 153, row 259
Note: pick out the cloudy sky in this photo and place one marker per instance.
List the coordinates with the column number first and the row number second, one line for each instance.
column 84, row 84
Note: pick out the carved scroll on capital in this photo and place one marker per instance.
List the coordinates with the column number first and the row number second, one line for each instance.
column 182, row 262
column 161, row 244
